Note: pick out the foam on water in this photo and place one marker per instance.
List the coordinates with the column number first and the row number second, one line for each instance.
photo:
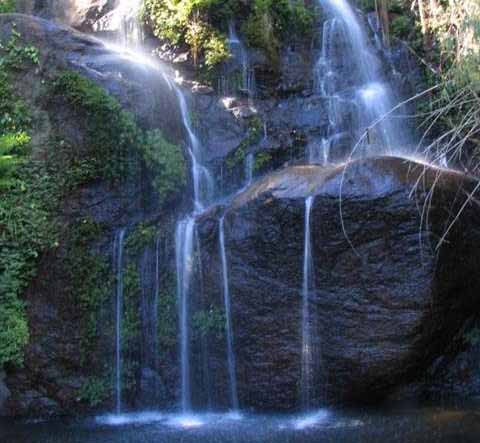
column 129, row 419
column 317, row 418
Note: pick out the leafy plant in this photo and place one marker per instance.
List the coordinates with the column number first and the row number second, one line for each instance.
column 7, row 6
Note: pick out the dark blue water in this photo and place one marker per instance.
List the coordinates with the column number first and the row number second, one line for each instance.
column 443, row 424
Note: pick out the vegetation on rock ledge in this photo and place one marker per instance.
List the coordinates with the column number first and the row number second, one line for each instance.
column 202, row 25
column 36, row 181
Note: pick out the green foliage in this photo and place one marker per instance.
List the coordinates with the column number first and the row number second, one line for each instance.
column 191, row 22
column 235, row 159
column 140, row 238
column 167, row 162
column 94, row 391
column 401, row 27
column 25, row 226
column 131, row 297
column 202, row 25
column 209, row 322
column 116, row 147
column 272, row 22
column 473, row 337
column 167, row 313
column 7, row 6
column 112, row 132
column 262, row 160
column 33, row 188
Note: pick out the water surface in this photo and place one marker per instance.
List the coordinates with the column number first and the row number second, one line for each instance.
column 425, row 424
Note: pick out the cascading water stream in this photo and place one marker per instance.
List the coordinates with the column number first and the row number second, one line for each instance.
column 307, row 351
column 118, row 266
column 126, row 16
column 184, row 260
column 228, row 319
column 156, row 300
column 203, row 183
column 362, row 85
column 239, row 52
column 249, row 164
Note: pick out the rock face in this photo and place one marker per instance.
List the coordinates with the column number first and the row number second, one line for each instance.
column 385, row 299
column 80, row 14
column 142, row 89
column 53, row 375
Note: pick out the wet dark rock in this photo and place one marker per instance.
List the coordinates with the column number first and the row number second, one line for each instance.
column 82, row 15
column 152, row 390
column 385, row 302
column 4, row 392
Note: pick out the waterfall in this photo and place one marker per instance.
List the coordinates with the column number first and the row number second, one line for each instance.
column 118, row 266
column 239, row 52
column 203, row 183
column 228, row 320
column 203, row 191
column 307, row 351
column 345, row 44
column 184, row 260
column 126, row 17
column 156, row 300
column 249, row 163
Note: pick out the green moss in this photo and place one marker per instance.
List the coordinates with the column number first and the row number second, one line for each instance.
column 262, row 160
column 202, row 25
column 166, row 163
column 209, row 322
column 235, row 159
column 141, row 237
column 273, row 22
column 33, row 191
column 131, row 298
column 114, row 141
column 89, row 277
column 94, row 391
column 26, row 228
column 167, row 313
column 7, row 6
column 402, row 27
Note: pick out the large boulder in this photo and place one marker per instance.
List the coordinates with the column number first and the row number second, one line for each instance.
column 394, row 278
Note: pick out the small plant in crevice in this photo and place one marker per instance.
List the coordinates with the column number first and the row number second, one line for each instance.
column 95, row 391
column 209, row 322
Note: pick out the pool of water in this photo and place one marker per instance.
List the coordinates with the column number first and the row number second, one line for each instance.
column 438, row 423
